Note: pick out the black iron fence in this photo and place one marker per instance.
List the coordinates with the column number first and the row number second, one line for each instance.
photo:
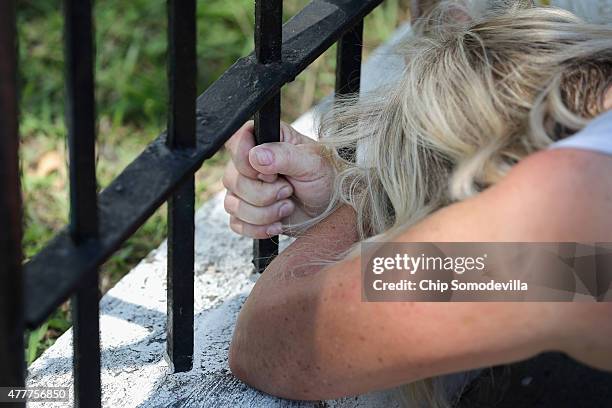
column 197, row 128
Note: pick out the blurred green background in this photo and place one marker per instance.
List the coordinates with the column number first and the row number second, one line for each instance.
column 131, row 97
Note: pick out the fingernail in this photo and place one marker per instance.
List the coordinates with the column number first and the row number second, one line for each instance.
column 284, row 192
column 284, row 210
column 274, row 229
column 264, row 156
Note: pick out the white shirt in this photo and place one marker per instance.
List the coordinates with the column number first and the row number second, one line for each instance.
column 596, row 136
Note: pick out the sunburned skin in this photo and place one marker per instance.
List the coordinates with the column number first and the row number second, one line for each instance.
column 379, row 345
column 385, row 344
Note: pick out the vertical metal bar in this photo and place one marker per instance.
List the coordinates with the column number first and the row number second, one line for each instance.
column 12, row 368
column 81, row 122
column 348, row 69
column 86, row 343
column 182, row 71
column 348, row 60
column 268, row 43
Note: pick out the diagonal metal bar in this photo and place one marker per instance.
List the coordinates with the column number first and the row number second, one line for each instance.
column 149, row 180
column 181, row 205
column 268, row 50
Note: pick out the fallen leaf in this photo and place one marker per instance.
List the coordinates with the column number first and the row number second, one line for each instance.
column 48, row 163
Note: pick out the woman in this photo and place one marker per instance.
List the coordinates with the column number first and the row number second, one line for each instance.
column 488, row 136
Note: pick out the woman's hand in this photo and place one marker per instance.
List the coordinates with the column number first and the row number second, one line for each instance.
column 274, row 183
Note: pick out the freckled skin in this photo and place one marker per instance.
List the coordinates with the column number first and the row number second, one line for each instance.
column 324, row 342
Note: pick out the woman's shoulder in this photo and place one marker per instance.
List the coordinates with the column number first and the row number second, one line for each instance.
column 560, row 195
column 566, row 189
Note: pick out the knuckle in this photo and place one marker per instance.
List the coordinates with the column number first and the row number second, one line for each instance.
column 247, row 139
column 227, row 204
column 260, row 233
column 247, row 230
column 269, row 215
column 229, row 176
column 290, row 135
column 244, row 168
column 268, row 196
column 286, row 134
column 239, row 184
column 257, row 216
column 259, row 201
column 229, row 143
column 225, row 181
column 229, row 182
column 233, row 143
column 262, row 196
column 235, row 225
column 249, row 191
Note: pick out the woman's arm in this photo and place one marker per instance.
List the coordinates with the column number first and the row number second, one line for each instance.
column 304, row 332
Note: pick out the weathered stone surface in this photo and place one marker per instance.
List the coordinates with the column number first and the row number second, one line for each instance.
column 134, row 372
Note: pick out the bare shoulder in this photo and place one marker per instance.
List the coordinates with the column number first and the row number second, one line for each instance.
column 566, row 191
column 563, row 169
column 552, row 195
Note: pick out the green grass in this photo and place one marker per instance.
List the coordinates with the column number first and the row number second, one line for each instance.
column 131, row 98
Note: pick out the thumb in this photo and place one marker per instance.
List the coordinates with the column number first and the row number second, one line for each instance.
column 301, row 161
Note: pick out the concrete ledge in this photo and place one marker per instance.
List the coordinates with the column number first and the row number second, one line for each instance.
column 133, row 317
column 132, row 324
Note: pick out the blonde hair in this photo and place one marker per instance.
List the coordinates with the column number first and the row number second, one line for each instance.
column 485, row 85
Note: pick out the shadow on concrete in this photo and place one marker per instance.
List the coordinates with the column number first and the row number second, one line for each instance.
column 548, row 380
